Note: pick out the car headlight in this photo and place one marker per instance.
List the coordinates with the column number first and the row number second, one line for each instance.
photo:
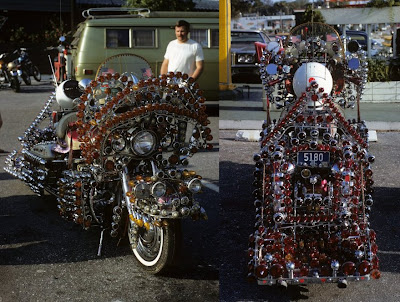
column 246, row 59
column 144, row 142
column 142, row 191
column 158, row 189
column 195, row 185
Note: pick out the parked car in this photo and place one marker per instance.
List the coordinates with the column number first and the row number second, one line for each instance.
column 244, row 63
column 362, row 38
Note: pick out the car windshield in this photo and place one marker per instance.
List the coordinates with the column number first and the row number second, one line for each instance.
column 359, row 38
column 240, row 37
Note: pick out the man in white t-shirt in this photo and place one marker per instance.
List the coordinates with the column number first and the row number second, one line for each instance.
column 183, row 54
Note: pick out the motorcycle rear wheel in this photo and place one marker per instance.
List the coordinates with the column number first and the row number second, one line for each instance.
column 36, row 73
column 156, row 248
column 15, row 85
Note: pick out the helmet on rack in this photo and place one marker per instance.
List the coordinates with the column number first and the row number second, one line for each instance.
column 312, row 72
column 66, row 92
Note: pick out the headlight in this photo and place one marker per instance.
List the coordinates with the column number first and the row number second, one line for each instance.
column 11, row 66
column 166, row 141
column 143, row 143
column 118, row 143
column 245, row 59
column 195, row 185
column 142, row 191
column 158, row 189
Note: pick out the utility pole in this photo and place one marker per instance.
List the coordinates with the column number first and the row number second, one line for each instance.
column 225, row 76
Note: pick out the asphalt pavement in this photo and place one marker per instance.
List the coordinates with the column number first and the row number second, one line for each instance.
column 44, row 258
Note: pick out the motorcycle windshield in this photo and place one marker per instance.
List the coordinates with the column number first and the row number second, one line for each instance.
column 314, row 42
column 136, row 66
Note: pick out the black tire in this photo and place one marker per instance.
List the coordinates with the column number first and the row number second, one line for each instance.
column 15, row 85
column 26, row 78
column 36, row 73
column 156, row 248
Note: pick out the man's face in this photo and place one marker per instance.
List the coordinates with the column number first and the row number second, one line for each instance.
column 181, row 33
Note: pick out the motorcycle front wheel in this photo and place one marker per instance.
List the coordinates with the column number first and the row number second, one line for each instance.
column 26, row 78
column 15, row 84
column 36, row 73
column 156, row 247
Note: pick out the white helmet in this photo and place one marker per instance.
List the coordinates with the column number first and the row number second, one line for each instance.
column 312, row 72
column 66, row 92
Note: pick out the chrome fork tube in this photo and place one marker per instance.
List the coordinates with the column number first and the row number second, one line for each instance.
column 125, row 189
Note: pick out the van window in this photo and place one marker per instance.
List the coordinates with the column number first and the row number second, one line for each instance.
column 117, row 38
column 143, row 38
column 207, row 38
column 214, row 38
column 200, row 36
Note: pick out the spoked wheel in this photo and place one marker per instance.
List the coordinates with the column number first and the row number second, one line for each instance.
column 36, row 73
column 155, row 249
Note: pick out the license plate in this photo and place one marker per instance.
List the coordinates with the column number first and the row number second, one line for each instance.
column 313, row 158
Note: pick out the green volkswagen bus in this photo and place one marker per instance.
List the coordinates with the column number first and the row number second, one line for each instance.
column 107, row 33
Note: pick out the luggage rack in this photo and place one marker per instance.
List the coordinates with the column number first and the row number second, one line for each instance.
column 115, row 12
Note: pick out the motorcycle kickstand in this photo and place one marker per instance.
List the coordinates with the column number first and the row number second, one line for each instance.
column 100, row 243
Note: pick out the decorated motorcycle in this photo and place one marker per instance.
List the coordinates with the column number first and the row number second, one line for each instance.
column 313, row 174
column 115, row 152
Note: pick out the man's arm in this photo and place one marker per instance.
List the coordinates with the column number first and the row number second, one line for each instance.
column 199, row 69
column 164, row 66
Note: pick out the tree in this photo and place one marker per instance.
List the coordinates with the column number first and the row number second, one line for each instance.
column 162, row 5
column 238, row 7
column 312, row 15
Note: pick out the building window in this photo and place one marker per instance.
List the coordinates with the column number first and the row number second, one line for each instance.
column 214, row 38
column 116, row 38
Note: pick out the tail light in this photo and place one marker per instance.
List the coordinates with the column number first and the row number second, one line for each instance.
column 261, row 271
column 348, row 268
column 364, row 268
column 276, row 270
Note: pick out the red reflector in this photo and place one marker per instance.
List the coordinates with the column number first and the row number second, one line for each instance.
column 347, row 178
column 323, row 280
column 54, row 116
column 264, row 281
column 301, row 280
column 88, row 71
